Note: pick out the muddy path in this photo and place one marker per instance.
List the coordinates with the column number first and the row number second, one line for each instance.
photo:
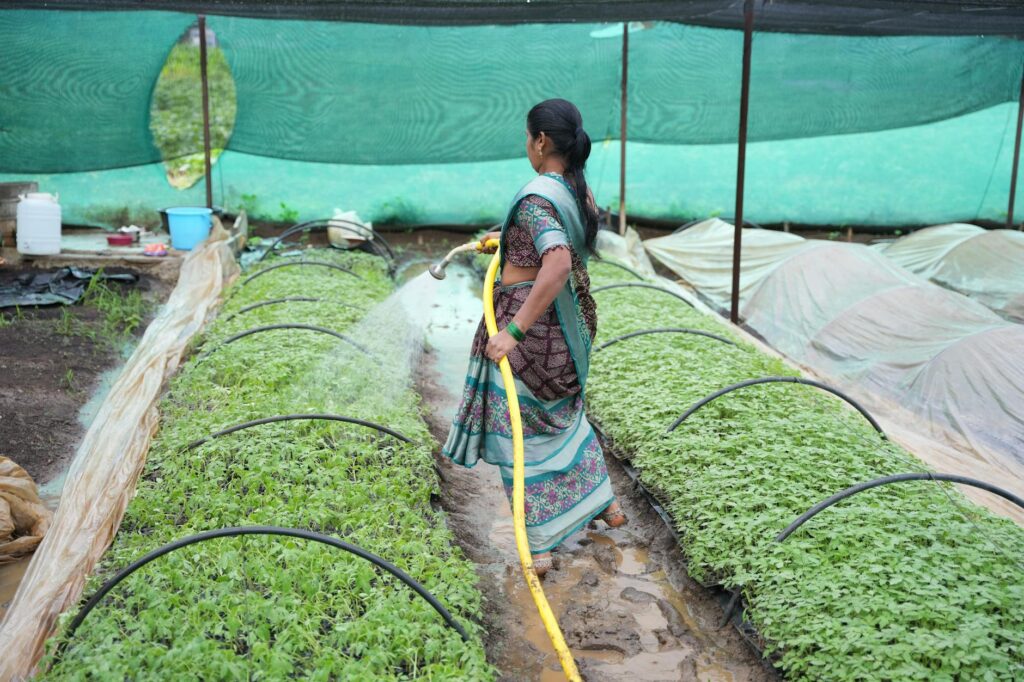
column 623, row 599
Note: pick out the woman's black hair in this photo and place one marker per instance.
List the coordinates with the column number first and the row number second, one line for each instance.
column 561, row 121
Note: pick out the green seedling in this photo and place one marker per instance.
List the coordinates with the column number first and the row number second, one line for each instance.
column 276, row 608
column 907, row 582
column 123, row 313
column 66, row 324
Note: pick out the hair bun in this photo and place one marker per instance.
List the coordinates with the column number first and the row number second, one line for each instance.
column 579, row 131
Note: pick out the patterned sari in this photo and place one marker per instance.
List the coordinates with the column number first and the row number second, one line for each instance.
column 566, row 479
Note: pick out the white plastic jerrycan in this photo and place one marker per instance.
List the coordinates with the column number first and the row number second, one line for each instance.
column 38, row 224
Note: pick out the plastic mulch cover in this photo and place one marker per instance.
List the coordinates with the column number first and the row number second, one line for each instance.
column 63, row 286
column 987, row 265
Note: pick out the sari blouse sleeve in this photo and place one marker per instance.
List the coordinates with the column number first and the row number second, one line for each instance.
column 539, row 217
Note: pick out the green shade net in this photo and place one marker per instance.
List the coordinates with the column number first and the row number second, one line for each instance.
column 75, row 87
column 420, row 125
column 938, row 172
column 371, row 94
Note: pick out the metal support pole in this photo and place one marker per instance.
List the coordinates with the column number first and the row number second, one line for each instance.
column 622, row 128
column 206, row 111
column 1016, row 155
column 741, row 161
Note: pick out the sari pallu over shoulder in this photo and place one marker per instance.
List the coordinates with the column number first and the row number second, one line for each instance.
column 577, row 336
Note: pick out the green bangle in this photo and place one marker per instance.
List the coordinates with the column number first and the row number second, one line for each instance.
column 515, row 331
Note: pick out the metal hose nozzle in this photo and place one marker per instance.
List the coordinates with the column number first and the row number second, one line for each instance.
column 437, row 270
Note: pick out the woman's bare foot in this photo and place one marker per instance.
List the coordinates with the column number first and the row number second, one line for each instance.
column 613, row 516
column 542, row 563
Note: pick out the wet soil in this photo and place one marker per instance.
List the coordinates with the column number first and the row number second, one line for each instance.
column 47, row 378
column 49, row 371
column 53, row 377
column 626, row 606
column 622, row 597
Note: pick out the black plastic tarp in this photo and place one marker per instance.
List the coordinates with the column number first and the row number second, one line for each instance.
column 54, row 287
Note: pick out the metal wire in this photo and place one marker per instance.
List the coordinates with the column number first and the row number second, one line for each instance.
column 271, row 327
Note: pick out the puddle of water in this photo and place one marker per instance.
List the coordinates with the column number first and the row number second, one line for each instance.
column 659, row 655
column 10, row 577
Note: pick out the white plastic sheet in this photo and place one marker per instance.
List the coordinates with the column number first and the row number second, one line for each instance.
column 625, row 249
column 943, row 367
column 342, row 234
column 987, row 265
column 103, row 474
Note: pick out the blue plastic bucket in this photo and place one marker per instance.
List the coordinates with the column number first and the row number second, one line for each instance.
column 189, row 225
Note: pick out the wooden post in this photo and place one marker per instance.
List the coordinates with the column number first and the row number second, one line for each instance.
column 741, row 160
column 1016, row 156
column 206, row 110
column 622, row 129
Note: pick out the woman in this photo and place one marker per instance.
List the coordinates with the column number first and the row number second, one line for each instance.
column 548, row 321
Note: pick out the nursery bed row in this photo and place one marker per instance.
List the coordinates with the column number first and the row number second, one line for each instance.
column 270, row 607
column 909, row 581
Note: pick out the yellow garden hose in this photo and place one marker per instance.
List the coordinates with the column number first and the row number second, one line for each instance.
column 518, row 486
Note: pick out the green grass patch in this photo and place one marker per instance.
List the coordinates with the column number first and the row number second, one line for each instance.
column 271, row 608
column 122, row 310
column 908, row 582
column 121, row 313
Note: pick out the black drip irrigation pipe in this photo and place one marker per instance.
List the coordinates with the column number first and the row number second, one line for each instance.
column 894, row 478
column 652, row 500
column 325, row 223
column 777, row 380
column 665, row 330
column 376, row 238
column 868, row 485
column 641, row 284
column 259, row 530
column 333, row 266
column 634, row 476
column 270, row 327
column 605, row 261
column 274, row 301
column 292, row 417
